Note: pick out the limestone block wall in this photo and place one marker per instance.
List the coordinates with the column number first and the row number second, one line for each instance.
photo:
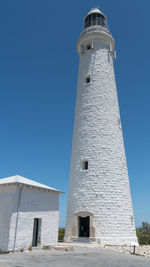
column 104, row 188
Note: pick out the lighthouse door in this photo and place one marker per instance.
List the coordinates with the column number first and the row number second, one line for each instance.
column 84, row 225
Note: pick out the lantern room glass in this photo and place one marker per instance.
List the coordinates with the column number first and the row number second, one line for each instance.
column 95, row 19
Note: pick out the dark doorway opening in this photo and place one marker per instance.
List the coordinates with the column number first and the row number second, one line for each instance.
column 84, row 226
column 36, row 232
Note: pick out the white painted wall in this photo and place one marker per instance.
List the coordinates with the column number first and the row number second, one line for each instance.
column 104, row 188
column 34, row 203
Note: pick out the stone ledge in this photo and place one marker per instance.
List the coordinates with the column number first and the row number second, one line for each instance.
column 143, row 250
column 61, row 248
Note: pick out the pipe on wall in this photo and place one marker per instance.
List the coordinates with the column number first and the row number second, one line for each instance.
column 17, row 217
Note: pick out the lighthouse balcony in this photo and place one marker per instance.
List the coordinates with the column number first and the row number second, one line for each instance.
column 94, row 28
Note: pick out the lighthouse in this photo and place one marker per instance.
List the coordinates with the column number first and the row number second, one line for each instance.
column 99, row 200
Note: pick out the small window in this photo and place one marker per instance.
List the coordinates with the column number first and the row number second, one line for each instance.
column 119, row 122
column 88, row 47
column 87, row 79
column 85, row 165
column 82, row 49
column 132, row 220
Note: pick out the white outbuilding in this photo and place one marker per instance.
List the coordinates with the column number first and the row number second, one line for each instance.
column 29, row 214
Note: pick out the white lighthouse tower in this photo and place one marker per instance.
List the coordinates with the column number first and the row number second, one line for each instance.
column 99, row 202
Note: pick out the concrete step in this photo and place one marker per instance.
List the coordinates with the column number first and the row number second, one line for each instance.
column 82, row 240
column 37, row 248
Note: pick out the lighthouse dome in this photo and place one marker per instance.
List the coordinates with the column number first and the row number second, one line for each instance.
column 95, row 17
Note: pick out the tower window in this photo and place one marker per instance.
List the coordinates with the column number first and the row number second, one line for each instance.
column 132, row 220
column 82, row 49
column 88, row 46
column 85, row 165
column 87, row 79
column 119, row 122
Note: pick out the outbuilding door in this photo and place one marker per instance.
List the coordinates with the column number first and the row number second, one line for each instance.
column 36, row 232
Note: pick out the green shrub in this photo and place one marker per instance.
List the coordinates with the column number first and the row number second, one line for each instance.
column 61, row 234
column 143, row 234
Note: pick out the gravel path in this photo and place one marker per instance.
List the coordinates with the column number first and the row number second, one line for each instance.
column 80, row 257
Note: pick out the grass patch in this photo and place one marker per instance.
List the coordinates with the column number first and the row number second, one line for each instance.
column 4, row 252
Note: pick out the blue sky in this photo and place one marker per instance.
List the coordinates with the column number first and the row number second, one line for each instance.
column 38, row 78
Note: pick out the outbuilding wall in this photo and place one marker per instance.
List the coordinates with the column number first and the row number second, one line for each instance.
column 34, row 203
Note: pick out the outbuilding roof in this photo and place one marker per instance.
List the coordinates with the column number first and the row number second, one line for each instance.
column 17, row 179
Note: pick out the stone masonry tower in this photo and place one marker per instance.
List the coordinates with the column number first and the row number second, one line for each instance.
column 99, row 202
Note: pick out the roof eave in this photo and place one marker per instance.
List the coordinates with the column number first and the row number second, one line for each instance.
column 34, row 186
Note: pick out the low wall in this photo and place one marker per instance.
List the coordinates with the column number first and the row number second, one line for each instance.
column 139, row 250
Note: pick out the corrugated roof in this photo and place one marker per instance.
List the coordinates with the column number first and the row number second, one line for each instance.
column 17, row 179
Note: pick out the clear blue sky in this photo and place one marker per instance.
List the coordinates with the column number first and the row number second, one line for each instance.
column 38, row 78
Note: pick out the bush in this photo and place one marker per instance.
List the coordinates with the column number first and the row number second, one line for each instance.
column 143, row 234
column 61, row 234
column 30, row 247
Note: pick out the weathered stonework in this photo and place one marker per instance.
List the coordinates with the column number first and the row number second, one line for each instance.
column 104, row 188
column 142, row 250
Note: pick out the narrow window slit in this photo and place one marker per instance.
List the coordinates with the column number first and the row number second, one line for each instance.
column 87, row 79
column 85, row 165
column 88, row 46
